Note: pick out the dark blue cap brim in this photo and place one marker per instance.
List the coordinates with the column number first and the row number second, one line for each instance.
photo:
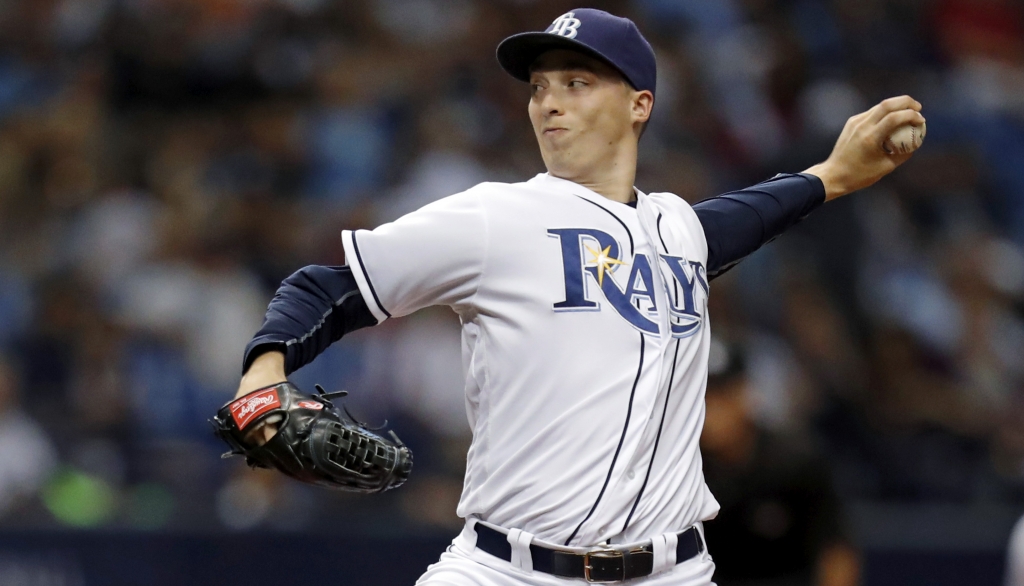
column 517, row 53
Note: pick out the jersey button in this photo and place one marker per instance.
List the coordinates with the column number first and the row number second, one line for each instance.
column 630, row 475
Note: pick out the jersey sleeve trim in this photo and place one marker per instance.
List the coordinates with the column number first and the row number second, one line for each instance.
column 355, row 260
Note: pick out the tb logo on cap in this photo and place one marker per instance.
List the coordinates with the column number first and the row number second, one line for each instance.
column 565, row 25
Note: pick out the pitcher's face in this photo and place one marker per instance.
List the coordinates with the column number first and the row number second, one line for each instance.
column 582, row 111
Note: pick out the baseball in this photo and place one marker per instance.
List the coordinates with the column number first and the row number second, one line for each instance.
column 905, row 139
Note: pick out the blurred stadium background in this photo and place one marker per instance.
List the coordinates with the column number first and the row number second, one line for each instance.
column 165, row 163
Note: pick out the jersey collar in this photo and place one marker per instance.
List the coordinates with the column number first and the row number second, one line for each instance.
column 564, row 185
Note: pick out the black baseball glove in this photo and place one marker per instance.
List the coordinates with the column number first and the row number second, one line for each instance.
column 315, row 442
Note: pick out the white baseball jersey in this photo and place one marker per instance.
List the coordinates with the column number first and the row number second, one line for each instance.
column 585, row 341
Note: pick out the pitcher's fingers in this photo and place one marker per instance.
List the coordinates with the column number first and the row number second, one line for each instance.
column 894, row 120
column 269, row 431
column 887, row 106
column 255, row 436
column 898, row 159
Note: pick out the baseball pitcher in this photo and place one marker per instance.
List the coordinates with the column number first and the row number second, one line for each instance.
column 585, row 330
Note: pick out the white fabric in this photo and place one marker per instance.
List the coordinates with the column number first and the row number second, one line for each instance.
column 664, row 547
column 468, row 535
column 520, row 541
column 550, row 385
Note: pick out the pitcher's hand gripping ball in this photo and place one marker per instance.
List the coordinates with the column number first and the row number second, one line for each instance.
column 905, row 139
column 315, row 442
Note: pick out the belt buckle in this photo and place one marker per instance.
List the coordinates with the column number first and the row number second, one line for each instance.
column 602, row 561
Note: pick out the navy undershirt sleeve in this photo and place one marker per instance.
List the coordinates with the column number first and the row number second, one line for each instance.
column 312, row 309
column 739, row 222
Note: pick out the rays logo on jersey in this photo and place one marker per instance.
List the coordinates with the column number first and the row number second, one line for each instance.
column 587, row 251
column 689, row 278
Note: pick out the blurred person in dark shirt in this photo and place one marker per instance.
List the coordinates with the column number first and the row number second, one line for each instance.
column 781, row 521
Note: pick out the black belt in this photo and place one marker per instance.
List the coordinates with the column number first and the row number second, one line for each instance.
column 602, row 565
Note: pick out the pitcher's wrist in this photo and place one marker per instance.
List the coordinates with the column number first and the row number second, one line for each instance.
column 833, row 187
column 266, row 370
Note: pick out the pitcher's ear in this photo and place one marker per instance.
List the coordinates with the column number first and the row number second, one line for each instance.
column 642, row 104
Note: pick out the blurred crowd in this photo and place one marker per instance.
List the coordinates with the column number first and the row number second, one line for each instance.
column 165, row 163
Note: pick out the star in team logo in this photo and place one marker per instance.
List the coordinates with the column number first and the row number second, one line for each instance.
column 604, row 262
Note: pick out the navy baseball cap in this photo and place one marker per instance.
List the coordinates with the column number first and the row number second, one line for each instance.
column 612, row 39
